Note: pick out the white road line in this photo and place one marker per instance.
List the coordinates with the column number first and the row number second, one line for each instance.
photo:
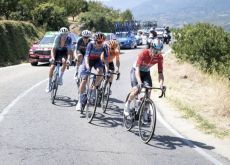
column 6, row 110
column 196, row 148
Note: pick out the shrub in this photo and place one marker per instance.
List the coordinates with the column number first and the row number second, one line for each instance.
column 206, row 45
column 15, row 41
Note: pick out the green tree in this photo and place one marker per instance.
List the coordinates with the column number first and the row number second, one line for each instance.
column 50, row 16
column 127, row 15
column 8, row 6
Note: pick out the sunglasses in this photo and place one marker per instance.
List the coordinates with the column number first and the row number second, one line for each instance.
column 86, row 37
column 155, row 51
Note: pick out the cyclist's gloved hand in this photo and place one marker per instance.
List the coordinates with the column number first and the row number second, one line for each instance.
column 139, row 86
column 68, row 62
column 51, row 60
column 107, row 75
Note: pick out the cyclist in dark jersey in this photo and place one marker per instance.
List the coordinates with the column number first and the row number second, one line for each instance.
column 140, row 72
column 62, row 44
column 81, row 49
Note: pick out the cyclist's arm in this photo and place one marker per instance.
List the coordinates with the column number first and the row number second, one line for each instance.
column 79, row 43
column 87, row 53
column 160, row 71
column 117, row 61
column 105, row 49
column 137, row 74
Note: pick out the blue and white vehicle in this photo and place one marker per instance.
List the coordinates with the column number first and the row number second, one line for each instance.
column 126, row 40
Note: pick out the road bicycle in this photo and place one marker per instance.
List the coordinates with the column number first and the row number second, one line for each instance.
column 54, row 80
column 143, row 111
column 106, row 85
column 92, row 97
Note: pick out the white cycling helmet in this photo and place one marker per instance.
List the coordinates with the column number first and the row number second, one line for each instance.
column 63, row 30
column 157, row 44
column 86, row 33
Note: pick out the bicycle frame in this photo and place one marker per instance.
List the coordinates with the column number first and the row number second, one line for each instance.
column 54, row 83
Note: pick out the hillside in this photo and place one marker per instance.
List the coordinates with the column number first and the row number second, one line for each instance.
column 178, row 12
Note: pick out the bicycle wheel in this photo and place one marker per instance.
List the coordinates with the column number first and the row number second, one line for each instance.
column 54, row 86
column 129, row 120
column 147, row 120
column 105, row 96
column 91, row 105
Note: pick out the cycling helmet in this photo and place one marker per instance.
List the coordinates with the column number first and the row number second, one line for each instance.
column 63, row 30
column 157, row 44
column 86, row 33
column 153, row 32
column 112, row 44
column 99, row 36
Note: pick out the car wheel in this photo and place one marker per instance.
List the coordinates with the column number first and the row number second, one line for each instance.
column 34, row 63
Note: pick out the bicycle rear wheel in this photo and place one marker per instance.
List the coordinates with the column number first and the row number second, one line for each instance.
column 147, row 120
column 54, row 86
column 105, row 96
column 128, row 121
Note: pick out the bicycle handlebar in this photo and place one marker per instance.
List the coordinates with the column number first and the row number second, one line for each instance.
column 163, row 90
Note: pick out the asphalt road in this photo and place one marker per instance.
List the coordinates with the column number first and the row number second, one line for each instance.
column 34, row 131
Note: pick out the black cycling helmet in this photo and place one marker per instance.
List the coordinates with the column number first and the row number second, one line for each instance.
column 99, row 36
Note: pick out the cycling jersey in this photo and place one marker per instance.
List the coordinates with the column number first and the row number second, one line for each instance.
column 62, row 40
column 93, row 53
column 81, row 46
column 111, row 55
column 145, row 61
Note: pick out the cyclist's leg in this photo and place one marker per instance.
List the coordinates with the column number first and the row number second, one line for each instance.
column 147, row 80
column 51, row 70
column 133, row 92
column 84, row 76
column 134, row 84
column 111, row 68
column 99, row 69
column 64, row 55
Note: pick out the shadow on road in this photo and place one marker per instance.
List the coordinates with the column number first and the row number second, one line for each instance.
column 172, row 142
column 64, row 101
column 113, row 116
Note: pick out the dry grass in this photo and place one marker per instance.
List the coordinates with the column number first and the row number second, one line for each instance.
column 206, row 98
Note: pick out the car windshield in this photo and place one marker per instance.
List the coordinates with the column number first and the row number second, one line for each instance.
column 47, row 39
column 122, row 35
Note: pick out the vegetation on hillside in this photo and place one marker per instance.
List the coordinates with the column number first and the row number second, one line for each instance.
column 53, row 14
column 15, row 40
column 205, row 45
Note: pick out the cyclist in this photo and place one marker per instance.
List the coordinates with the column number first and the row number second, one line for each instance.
column 113, row 53
column 152, row 35
column 140, row 72
column 81, row 48
column 62, row 44
column 92, row 59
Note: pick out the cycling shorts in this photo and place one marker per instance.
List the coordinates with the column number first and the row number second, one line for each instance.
column 61, row 53
column 145, row 78
column 97, row 64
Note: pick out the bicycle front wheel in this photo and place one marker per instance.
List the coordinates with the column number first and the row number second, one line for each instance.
column 147, row 120
column 91, row 105
column 105, row 96
column 54, row 86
